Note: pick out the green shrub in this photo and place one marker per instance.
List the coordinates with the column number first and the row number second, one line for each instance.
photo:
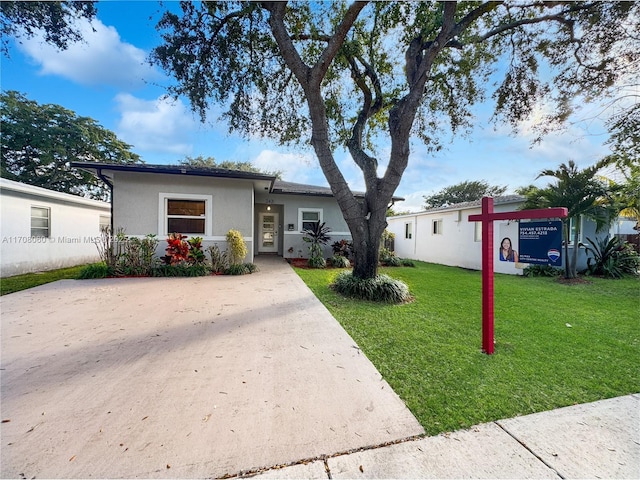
column 251, row 267
column 196, row 255
column 611, row 258
column 95, row 270
column 182, row 269
column 236, row 269
column 219, row 260
column 391, row 260
column 316, row 260
column 317, row 236
column 237, row 248
column 379, row 289
column 338, row 261
column 408, row 263
column 542, row 271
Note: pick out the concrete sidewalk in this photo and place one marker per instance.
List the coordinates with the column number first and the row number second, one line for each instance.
column 240, row 376
column 596, row 440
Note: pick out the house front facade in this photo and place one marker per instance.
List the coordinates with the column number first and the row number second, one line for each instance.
column 270, row 214
column 42, row 229
column 446, row 236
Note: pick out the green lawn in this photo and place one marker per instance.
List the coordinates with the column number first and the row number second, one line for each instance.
column 556, row 344
column 28, row 280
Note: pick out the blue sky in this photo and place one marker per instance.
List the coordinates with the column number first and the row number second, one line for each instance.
column 108, row 79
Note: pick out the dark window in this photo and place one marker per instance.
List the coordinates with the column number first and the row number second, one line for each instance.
column 186, row 216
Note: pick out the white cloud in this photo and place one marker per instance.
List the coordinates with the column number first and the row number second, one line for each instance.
column 102, row 58
column 159, row 125
column 295, row 167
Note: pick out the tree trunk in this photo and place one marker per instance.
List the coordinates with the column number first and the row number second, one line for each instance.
column 576, row 248
column 366, row 237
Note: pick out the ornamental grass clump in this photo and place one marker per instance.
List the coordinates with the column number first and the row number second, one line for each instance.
column 382, row 288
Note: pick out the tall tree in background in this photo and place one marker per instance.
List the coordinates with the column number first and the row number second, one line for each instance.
column 39, row 140
column 210, row 162
column 362, row 74
column 56, row 19
column 467, row 191
column 583, row 193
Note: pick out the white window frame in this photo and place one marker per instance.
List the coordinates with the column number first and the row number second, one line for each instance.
column 305, row 210
column 436, row 227
column 48, row 217
column 163, row 218
column 408, row 230
column 572, row 228
column 477, row 232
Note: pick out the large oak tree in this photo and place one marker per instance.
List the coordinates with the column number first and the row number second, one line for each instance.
column 381, row 73
column 38, row 141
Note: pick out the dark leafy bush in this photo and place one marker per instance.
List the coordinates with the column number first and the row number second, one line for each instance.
column 241, row 269
column 343, row 248
column 316, row 260
column 250, row 267
column 379, row 289
column 391, row 260
column 182, row 269
column 95, row 270
column 317, row 236
column 611, row 258
column 219, row 260
column 407, row 263
column 338, row 261
column 542, row 271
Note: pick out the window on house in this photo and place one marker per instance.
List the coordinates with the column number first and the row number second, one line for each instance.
column 40, row 222
column 105, row 223
column 572, row 229
column 186, row 216
column 477, row 232
column 436, row 228
column 308, row 217
column 408, row 230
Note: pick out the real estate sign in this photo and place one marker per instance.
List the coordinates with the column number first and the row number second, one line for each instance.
column 540, row 243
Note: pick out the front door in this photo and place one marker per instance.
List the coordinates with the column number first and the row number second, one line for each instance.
column 268, row 240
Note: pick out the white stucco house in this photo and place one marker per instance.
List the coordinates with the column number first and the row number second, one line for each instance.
column 207, row 202
column 43, row 229
column 446, row 236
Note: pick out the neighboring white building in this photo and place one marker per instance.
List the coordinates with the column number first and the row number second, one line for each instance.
column 446, row 236
column 42, row 229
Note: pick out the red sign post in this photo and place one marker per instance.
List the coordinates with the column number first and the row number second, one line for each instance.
column 487, row 218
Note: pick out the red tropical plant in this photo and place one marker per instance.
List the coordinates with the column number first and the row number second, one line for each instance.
column 178, row 248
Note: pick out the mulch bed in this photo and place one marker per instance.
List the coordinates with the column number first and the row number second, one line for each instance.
column 573, row 281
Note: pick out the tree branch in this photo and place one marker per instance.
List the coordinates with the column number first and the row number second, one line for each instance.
column 529, row 21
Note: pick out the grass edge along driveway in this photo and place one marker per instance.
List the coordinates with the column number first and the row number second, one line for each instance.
column 556, row 344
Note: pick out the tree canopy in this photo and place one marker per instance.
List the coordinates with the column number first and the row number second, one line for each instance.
column 467, row 191
column 39, row 140
column 56, row 19
column 362, row 75
column 210, row 162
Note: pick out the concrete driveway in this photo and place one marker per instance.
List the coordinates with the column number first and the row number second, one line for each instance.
column 180, row 377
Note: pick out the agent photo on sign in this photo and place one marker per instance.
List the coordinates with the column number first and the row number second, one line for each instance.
column 507, row 253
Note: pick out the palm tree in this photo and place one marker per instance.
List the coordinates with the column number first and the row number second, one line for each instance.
column 582, row 193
